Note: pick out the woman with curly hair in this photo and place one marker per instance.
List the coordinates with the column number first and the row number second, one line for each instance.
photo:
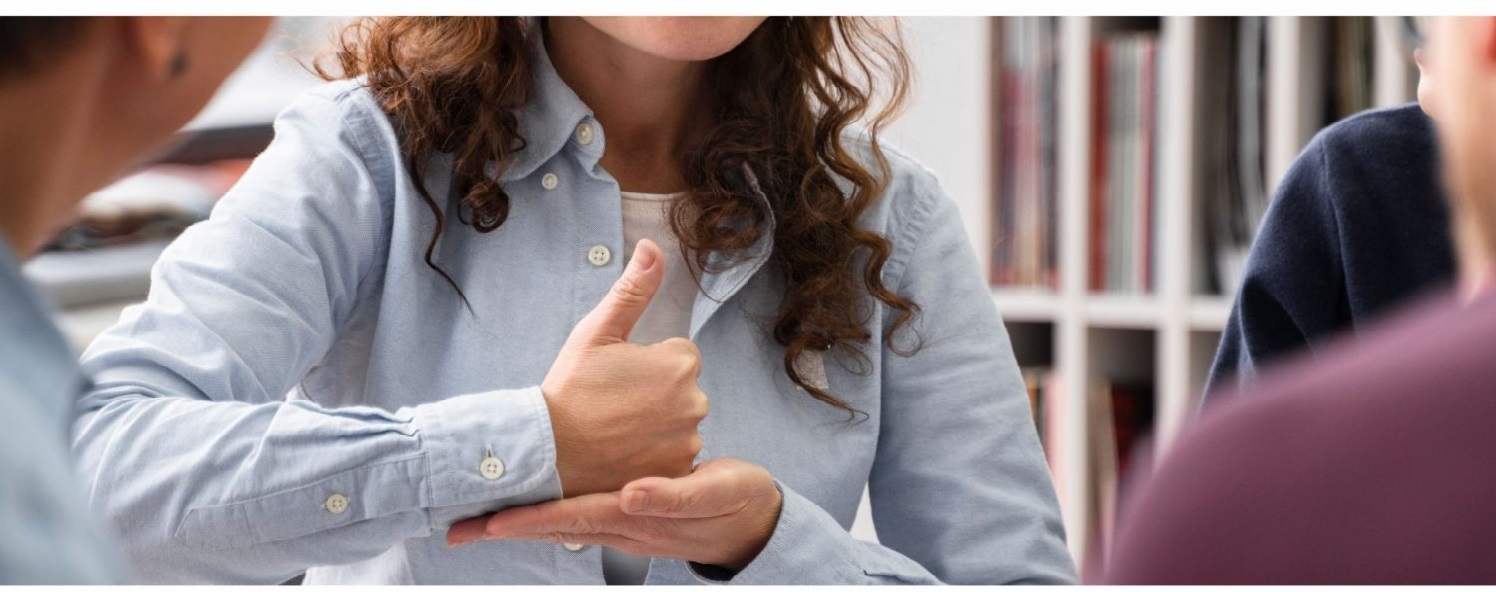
column 418, row 307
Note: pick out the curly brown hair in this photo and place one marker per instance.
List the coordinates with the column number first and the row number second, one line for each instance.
column 782, row 102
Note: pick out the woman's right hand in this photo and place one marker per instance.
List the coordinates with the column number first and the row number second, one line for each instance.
column 621, row 411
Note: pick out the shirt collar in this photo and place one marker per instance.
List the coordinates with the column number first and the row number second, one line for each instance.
column 549, row 120
column 551, row 115
column 716, row 287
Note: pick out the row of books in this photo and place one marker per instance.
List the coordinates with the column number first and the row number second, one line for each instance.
column 1122, row 192
column 1124, row 122
column 1234, row 180
column 1233, row 149
column 1351, row 40
column 1119, row 419
column 1124, row 132
column 1027, row 91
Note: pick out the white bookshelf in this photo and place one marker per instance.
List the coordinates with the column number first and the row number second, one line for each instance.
column 1093, row 335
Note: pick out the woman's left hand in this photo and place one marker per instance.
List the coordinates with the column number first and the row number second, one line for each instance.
column 722, row 514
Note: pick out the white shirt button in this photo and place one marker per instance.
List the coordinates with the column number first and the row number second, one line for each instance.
column 336, row 503
column 550, row 181
column 585, row 134
column 599, row 256
column 574, row 547
column 491, row 468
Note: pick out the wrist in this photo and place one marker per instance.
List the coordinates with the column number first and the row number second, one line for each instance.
column 761, row 525
column 566, row 469
column 460, row 435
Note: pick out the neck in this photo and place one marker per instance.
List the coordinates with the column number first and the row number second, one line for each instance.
column 43, row 128
column 652, row 108
column 1475, row 261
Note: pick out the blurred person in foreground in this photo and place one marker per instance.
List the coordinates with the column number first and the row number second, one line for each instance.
column 1369, row 464
column 81, row 99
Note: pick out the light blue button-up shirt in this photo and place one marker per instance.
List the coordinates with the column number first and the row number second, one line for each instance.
column 47, row 534
column 308, row 279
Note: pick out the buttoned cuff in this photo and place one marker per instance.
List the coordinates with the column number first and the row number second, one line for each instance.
column 797, row 544
column 487, row 451
column 810, row 547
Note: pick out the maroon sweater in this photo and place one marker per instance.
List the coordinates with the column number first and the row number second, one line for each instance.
column 1373, row 463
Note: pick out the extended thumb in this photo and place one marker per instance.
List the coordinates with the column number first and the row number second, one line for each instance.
column 614, row 318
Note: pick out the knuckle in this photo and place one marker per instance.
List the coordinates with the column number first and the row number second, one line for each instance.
column 685, row 348
column 686, row 345
column 702, row 407
column 654, row 534
column 694, row 445
column 581, row 523
column 685, row 501
column 686, row 369
column 628, row 291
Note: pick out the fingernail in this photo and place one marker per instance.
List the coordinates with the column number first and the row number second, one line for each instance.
column 642, row 260
column 636, row 501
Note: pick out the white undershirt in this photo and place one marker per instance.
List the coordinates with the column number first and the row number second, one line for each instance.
column 645, row 215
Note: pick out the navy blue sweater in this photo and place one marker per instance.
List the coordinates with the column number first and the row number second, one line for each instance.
column 1358, row 226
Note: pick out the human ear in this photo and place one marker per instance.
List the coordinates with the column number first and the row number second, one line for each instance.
column 156, row 45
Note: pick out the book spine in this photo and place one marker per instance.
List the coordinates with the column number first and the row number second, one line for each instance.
column 1099, row 107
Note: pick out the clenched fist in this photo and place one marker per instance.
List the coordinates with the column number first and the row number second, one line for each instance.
column 621, row 411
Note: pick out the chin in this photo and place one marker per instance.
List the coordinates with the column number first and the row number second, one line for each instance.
column 692, row 53
column 685, row 39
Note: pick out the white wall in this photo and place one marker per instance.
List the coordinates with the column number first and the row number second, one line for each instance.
column 948, row 124
column 947, row 128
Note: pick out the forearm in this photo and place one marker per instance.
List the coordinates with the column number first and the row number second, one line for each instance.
column 232, row 492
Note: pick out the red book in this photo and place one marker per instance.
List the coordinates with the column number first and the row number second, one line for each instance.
column 1099, row 104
